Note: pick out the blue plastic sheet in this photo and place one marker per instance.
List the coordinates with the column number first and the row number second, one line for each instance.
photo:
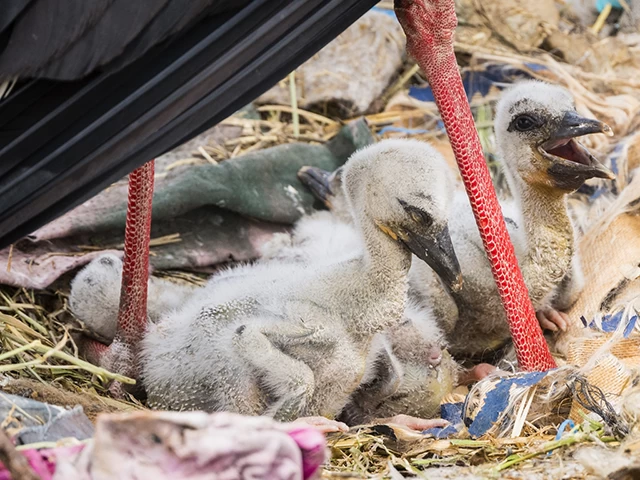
column 386, row 11
column 600, row 4
column 497, row 400
column 452, row 412
column 494, row 404
column 481, row 81
column 610, row 323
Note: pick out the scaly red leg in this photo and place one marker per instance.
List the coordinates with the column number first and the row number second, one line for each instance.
column 122, row 355
column 430, row 26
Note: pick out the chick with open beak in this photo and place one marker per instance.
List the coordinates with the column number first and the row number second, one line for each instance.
column 536, row 131
column 550, row 129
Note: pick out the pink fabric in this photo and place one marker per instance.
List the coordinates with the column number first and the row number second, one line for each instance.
column 44, row 461
column 40, row 266
column 185, row 446
column 313, row 446
column 196, row 446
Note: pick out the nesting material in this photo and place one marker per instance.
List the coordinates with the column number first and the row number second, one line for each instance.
column 39, row 359
column 501, row 405
column 603, row 77
column 611, row 376
column 603, row 462
column 234, row 205
column 631, row 153
column 491, row 406
column 520, row 23
column 610, row 256
column 334, row 75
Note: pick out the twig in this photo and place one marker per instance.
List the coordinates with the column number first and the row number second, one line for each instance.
column 14, row 461
column 18, row 350
column 293, row 92
column 206, row 155
column 52, row 352
column 400, row 83
column 523, row 410
column 302, row 113
column 10, row 258
column 23, row 315
column 547, row 447
column 19, row 409
column 18, row 325
column 604, row 14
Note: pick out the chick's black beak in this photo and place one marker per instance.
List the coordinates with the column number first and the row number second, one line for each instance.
column 572, row 163
column 437, row 251
column 318, row 182
column 573, row 125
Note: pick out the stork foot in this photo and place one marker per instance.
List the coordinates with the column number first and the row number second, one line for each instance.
column 118, row 357
column 430, row 26
column 121, row 356
column 323, row 424
column 95, row 300
column 552, row 319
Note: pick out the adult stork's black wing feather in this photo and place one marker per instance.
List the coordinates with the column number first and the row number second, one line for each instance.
column 10, row 11
column 46, row 30
column 189, row 64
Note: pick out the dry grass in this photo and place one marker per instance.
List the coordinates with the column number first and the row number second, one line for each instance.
column 37, row 343
column 375, row 452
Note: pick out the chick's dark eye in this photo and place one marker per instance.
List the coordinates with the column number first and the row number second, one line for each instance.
column 524, row 123
column 417, row 214
column 420, row 216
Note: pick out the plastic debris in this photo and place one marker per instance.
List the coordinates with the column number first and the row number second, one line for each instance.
column 31, row 421
column 488, row 405
column 451, row 412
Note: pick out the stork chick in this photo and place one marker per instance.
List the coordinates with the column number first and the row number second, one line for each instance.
column 325, row 236
column 412, row 373
column 414, row 346
column 535, row 128
column 291, row 340
column 95, row 297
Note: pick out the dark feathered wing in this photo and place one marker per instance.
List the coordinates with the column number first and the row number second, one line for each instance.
column 141, row 77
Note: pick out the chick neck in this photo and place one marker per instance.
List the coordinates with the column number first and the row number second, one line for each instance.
column 549, row 233
column 385, row 265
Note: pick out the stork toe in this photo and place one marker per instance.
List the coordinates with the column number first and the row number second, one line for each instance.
column 552, row 319
column 323, row 424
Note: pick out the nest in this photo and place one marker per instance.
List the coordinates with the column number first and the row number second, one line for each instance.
column 39, row 358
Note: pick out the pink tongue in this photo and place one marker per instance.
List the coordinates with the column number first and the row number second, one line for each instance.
column 568, row 152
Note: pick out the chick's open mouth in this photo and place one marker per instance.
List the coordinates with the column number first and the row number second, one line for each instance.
column 567, row 149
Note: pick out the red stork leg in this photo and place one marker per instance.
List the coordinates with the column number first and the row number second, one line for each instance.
column 430, row 26
column 132, row 316
column 122, row 355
